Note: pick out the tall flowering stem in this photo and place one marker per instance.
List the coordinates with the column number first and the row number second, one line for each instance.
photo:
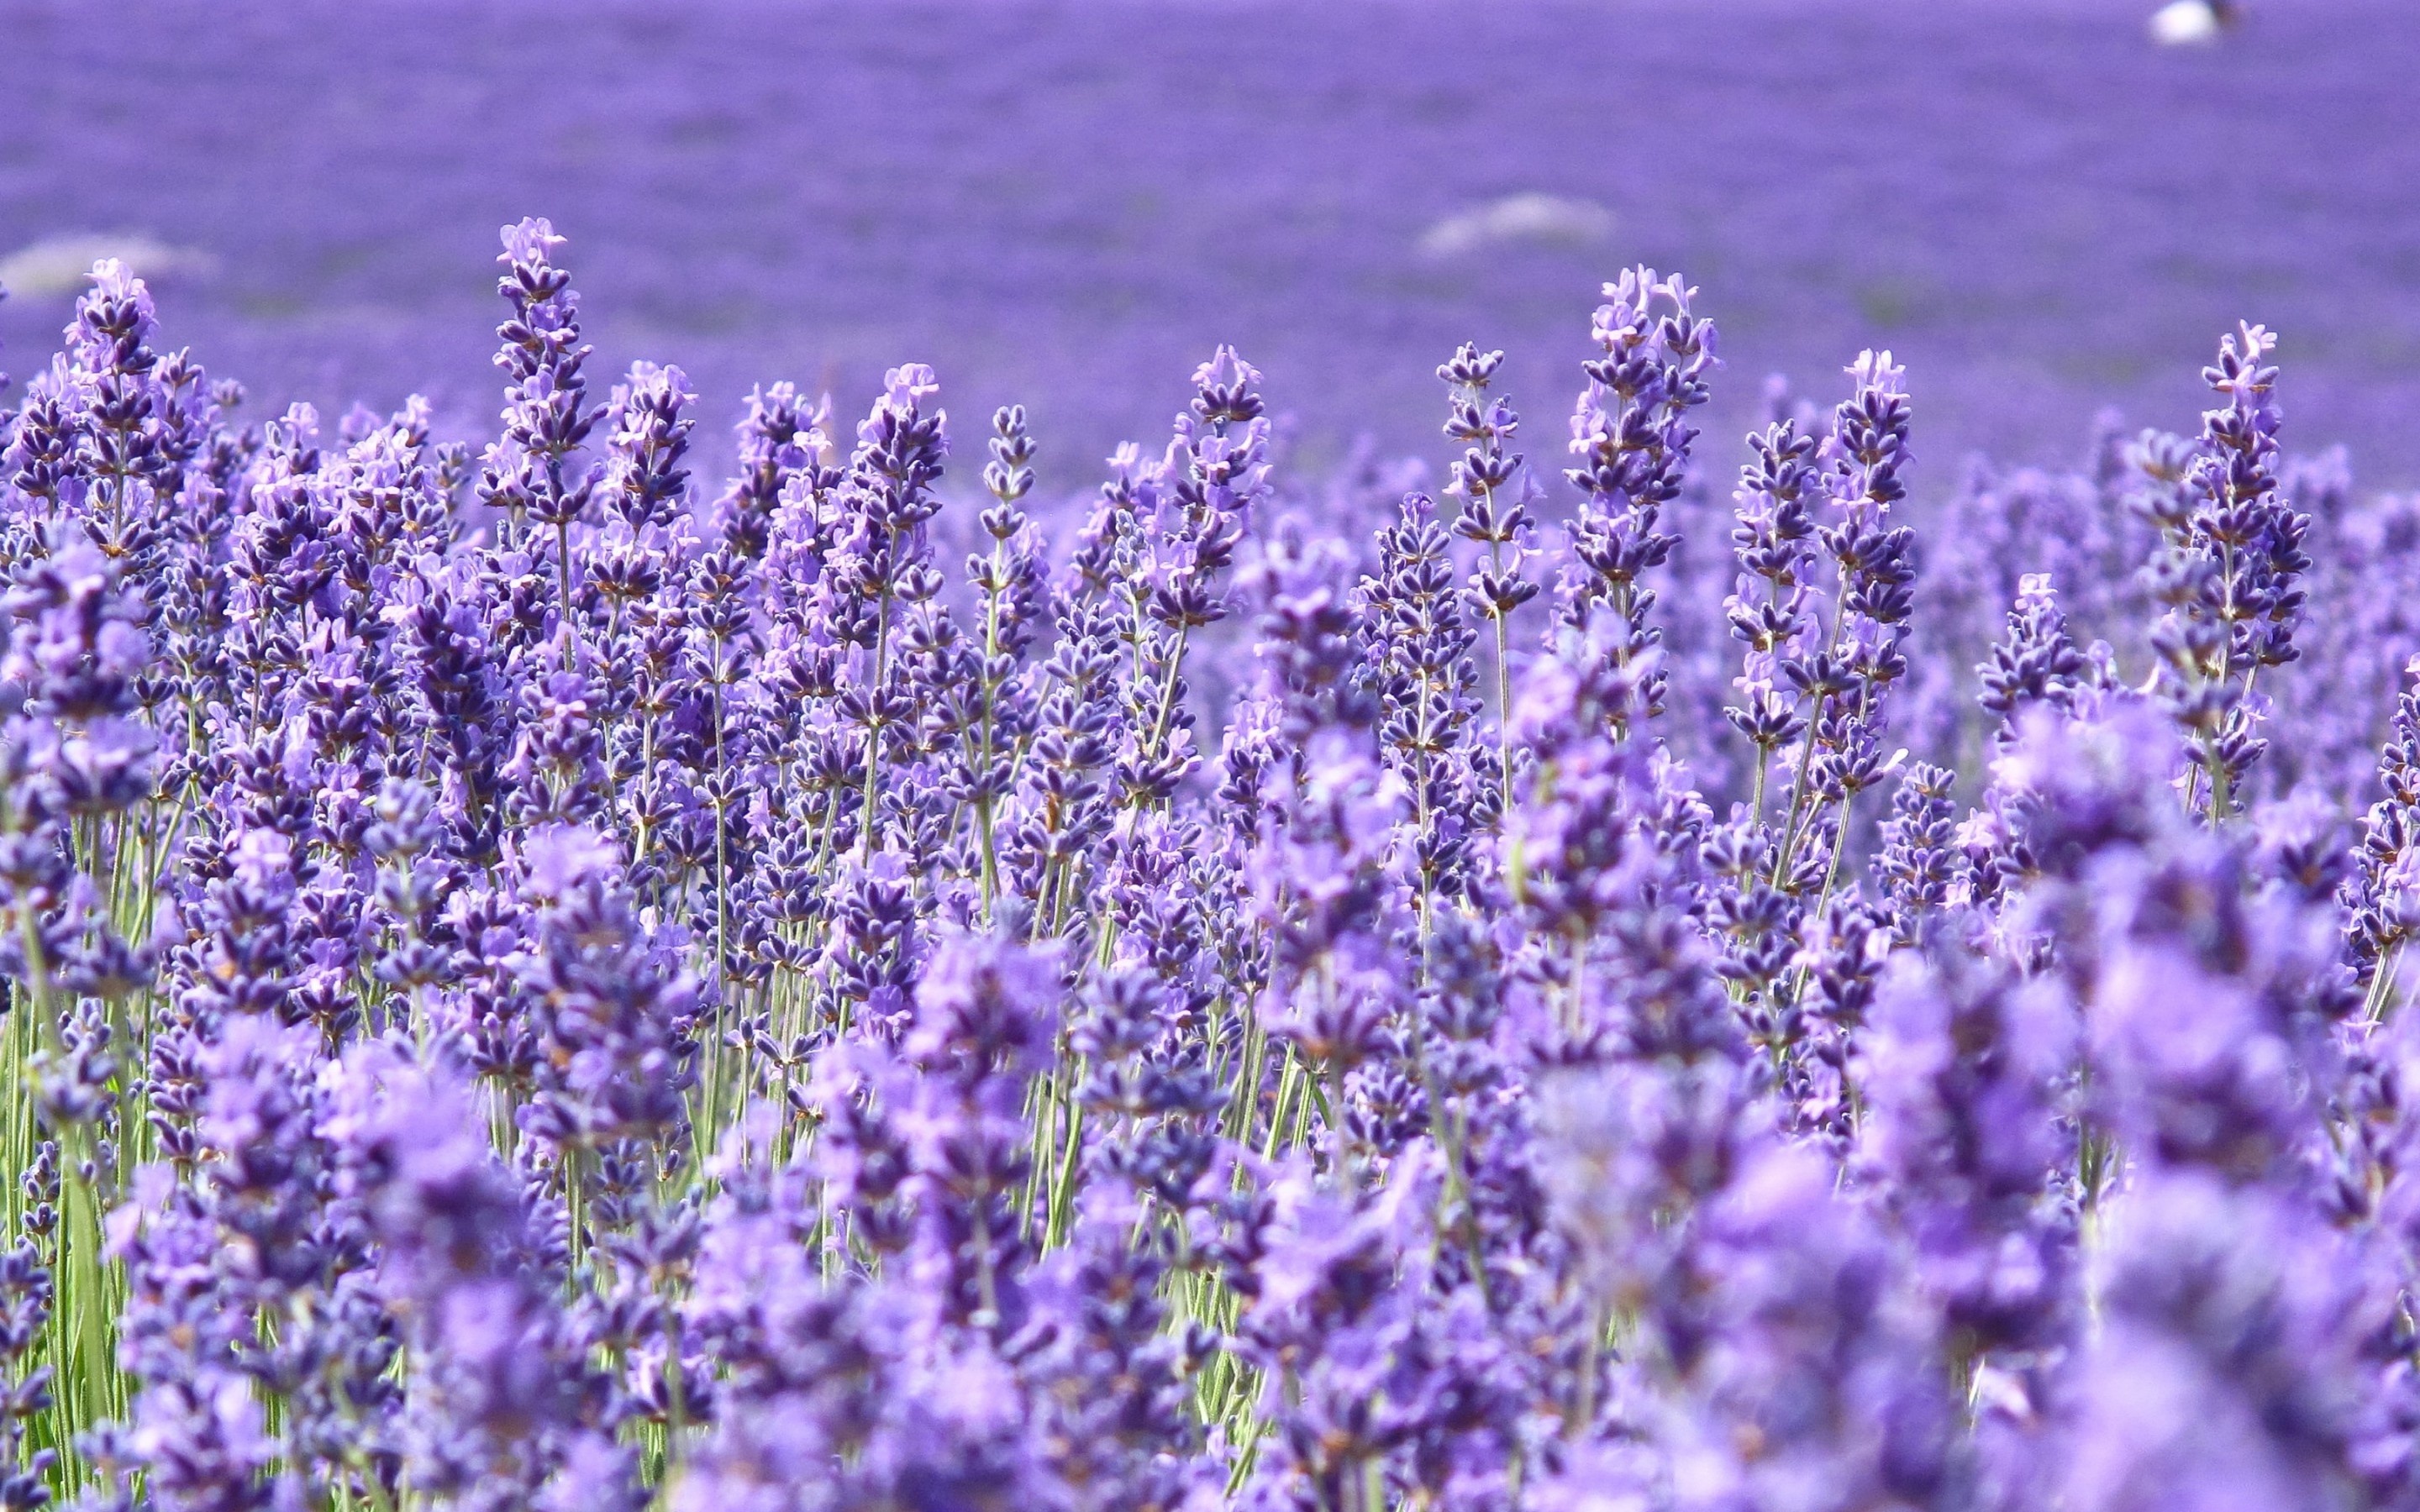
column 2381, row 894
column 1844, row 681
column 546, row 414
column 1009, row 578
column 1631, row 439
column 1772, row 614
column 2228, row 569
column 1484, row 424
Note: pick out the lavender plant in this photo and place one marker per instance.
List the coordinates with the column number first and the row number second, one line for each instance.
column 532, row 986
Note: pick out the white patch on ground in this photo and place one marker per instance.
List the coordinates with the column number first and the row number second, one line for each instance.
column 1531, row 219
column 2186, row 23
column 62, row 265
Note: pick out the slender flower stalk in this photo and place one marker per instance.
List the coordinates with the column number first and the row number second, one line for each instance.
column 1481, row 477
column 2227, row 570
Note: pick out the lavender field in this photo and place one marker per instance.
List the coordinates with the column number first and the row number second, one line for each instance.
column 1063, row 205
column 768, row 757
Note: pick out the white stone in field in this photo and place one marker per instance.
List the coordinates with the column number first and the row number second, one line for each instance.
column 63, row 264
column 1534, row 219
column 2187, row 23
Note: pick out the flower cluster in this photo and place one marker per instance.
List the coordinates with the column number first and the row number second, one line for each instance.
column 535, row 986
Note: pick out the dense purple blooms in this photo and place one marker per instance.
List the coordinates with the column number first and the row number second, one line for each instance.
column 534, row 985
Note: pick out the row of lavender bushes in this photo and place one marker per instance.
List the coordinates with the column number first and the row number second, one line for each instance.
column 534, row 985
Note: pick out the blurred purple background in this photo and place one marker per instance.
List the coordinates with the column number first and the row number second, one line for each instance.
column 1068, row 203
